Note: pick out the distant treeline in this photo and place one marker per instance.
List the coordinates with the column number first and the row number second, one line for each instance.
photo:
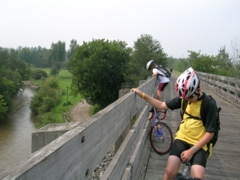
column 100, row 66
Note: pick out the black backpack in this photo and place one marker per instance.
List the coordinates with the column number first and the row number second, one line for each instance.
column 205, row 101
column 164, row 71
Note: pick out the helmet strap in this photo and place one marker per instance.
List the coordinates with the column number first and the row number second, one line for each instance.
column 198, row 94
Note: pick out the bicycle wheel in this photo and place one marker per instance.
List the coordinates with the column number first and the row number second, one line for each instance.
column 161, row 115
column 161, row 138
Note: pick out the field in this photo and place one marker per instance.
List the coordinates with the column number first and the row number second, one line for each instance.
column 64, row 80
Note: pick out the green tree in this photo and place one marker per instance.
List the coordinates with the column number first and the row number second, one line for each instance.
column 3, row 107
column 98, row 69
column 25, row 55
column 47, row 97
column 145, row 49
column 181, row 65
column 200, row 62
column 38, row 74
column 57, row 55
column 72, row 49
column 222, row 63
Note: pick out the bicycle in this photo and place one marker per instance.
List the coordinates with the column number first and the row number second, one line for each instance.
column 186, row 174
column 161, row 137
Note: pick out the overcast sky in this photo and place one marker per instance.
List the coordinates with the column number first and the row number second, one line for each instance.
column 179, row 25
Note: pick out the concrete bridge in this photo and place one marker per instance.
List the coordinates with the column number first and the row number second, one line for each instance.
column 75, row 152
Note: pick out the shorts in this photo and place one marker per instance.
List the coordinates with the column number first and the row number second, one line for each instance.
column 161, row 86
column 199, row 158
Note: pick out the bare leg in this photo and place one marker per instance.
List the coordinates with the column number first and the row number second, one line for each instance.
column 197, row 171
column 172, row 168
column 159, row 95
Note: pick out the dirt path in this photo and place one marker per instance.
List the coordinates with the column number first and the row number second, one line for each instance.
column 80, row 112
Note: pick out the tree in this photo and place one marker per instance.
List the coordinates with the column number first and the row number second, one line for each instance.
column 235, row 57
column 145, row 49
column 57, row 55
column 199, row 62
column 47, row 97
column 38, row 74
column 3, row 107
column 12, row 72
column 72, row 49
column 222, row 63
column 98, row 69
column 181, row 65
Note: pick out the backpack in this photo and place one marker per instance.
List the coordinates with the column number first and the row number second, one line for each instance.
column 164, row 71
column 205, row 101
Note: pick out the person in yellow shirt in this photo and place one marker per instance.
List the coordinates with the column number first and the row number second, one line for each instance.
column 192, row 136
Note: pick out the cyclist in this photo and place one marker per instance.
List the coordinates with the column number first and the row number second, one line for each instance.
column 192, row 136
column 162, row 79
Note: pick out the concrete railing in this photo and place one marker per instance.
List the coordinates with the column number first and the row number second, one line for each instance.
column 76, row 153
column 226, row 87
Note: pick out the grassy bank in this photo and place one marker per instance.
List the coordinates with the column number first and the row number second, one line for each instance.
column 68, row 101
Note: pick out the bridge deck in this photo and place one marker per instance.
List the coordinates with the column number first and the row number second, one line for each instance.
column 225, row 161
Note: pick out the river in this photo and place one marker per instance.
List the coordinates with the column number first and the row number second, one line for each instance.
column 16, row 131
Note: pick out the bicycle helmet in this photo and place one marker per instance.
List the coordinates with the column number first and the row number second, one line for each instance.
column 149, row 64
column 187, row 83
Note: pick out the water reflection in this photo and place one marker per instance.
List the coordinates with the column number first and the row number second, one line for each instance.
column 16, row 131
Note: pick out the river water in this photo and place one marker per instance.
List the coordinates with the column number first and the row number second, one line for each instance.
column 16, row 131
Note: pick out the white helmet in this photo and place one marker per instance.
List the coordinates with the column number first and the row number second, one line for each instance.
column 187, row 83
column 149, row 64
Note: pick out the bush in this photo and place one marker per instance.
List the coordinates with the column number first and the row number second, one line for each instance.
column 38, row 74
column 46, row 98
column 45, row 119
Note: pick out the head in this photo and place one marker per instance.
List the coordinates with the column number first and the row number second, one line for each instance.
column 188, row 84
column 150, row 65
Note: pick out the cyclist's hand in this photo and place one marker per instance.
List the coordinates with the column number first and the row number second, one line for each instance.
column 186, row 156
column 136, row 90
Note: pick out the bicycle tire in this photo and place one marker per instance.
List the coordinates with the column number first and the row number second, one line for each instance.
column 161, row 146
column 161, row 115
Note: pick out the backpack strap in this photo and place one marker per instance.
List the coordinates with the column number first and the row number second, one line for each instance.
column 204, row 106
column 183, row 110
column 160, row 69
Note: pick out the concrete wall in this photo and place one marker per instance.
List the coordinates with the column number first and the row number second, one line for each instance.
column 77, row 152
column 48, row 133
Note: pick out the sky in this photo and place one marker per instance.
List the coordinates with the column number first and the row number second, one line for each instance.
column 179, row 25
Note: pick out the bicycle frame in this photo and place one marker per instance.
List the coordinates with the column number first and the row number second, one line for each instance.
column 156, row 123
column 160, row 134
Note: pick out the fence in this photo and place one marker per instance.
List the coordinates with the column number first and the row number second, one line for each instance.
column 75, row 154
column 226, row 87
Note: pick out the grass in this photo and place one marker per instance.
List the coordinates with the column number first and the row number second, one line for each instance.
column 68, row 101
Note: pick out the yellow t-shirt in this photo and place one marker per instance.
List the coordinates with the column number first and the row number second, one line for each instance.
column 191, row 130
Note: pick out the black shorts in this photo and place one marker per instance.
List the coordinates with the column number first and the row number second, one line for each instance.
column 200, row 157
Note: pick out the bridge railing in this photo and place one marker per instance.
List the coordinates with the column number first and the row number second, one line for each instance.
column 226, row 87
column 76, row 153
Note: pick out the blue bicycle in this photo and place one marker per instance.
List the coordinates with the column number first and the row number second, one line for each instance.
column 161, row 137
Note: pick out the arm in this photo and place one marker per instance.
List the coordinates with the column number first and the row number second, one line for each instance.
column 204, row 140
column 154, row 102
column 154, row 72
